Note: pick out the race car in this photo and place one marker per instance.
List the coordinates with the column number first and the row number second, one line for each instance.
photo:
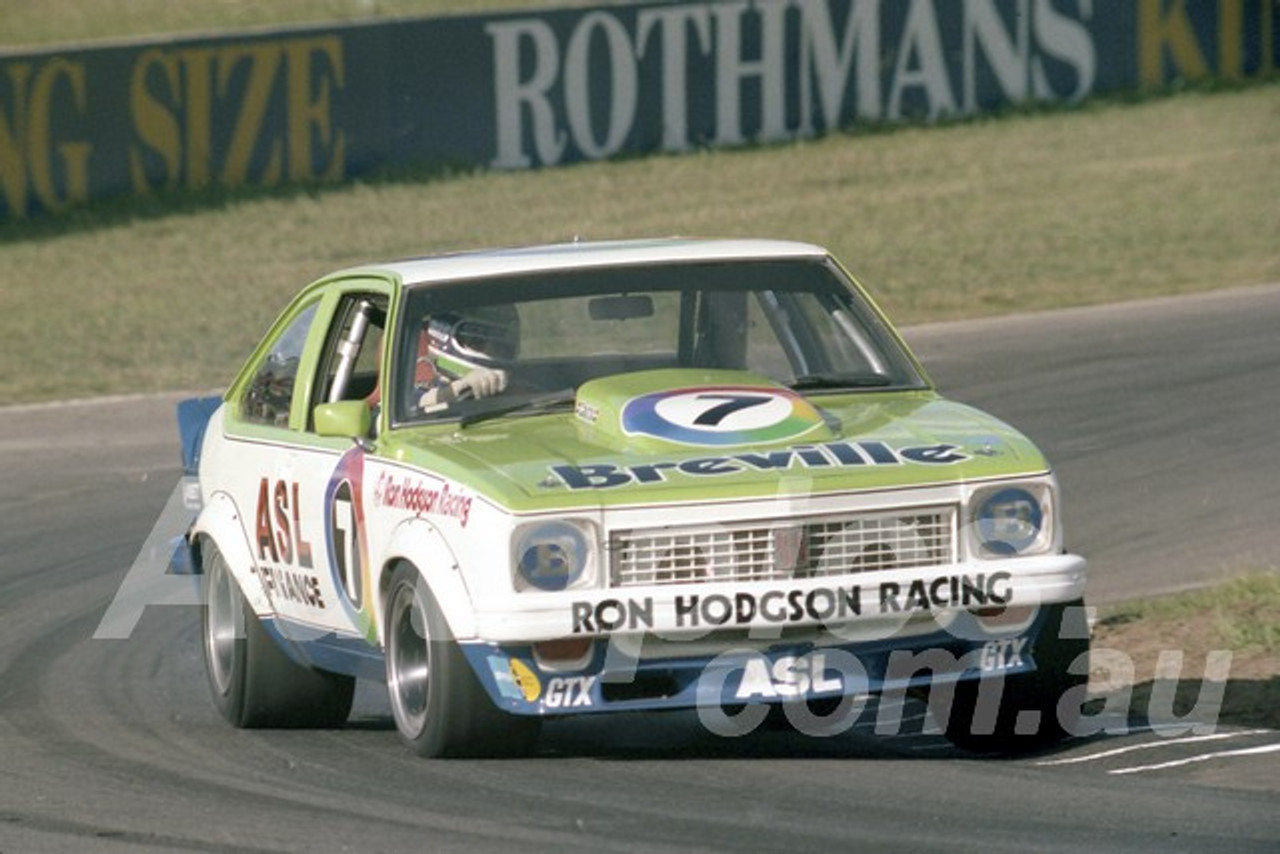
column 617, row 476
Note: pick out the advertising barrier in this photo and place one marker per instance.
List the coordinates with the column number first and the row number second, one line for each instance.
column 541, row 88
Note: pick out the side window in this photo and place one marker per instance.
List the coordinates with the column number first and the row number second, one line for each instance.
column 353, row 350
column 270, row 391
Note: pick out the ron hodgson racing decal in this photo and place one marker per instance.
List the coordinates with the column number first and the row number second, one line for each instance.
column 728, row 415
column 827, row 455
column 408, row 493
column 817, row 604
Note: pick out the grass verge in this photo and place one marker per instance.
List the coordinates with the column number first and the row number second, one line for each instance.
column 1028, row 211
column 1240, row 617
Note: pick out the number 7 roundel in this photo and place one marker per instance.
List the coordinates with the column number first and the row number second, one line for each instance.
column 720, row 415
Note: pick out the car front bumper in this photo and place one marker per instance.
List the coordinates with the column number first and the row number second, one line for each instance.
column 755, row 644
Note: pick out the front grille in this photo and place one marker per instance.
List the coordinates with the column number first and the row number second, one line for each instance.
column 784, row 549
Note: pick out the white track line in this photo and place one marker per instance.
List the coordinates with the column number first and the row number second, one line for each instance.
column 1150, row 745
column 1243, row 751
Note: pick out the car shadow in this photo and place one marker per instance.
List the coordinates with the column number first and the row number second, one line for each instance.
column 1163, row 704
column 904, row 733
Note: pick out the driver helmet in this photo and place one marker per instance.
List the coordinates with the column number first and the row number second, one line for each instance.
column 482, row 337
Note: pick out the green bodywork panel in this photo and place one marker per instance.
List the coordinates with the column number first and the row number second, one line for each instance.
column 528, row 464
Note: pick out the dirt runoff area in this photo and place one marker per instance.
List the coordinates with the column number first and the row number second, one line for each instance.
column 1211, row 656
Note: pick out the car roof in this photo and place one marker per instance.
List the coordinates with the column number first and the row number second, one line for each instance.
column 499, row 262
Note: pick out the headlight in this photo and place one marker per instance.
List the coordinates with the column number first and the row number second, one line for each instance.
column 553, row 556
column 1010, row 521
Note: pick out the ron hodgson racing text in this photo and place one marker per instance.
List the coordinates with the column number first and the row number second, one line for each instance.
column 800, row 605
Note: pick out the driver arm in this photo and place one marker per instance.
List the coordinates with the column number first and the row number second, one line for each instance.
column 478, row 383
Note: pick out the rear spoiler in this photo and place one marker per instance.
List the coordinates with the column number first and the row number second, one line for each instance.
column 193, row 417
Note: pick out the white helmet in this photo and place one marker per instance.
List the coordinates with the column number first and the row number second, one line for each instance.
column 486, row 337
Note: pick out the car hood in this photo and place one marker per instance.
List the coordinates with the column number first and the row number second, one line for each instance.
column 677, row 436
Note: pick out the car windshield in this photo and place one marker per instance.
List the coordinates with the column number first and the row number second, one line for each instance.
column 796, row 322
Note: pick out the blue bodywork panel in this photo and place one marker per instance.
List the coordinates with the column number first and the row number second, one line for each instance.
column 193, row 417
column 611, row 681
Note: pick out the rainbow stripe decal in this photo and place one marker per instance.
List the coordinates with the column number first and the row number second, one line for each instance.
column 347, row 541
column 720, row 415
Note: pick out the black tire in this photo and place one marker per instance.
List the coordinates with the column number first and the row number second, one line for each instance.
column 982, row 721
column 253, row 682
column 440, row 708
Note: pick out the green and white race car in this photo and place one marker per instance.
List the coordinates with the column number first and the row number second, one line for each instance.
column 602, row 477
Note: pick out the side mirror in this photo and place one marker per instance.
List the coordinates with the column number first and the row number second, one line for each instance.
column 349, row 419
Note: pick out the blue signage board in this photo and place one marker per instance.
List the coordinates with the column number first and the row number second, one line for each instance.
column 542, row 88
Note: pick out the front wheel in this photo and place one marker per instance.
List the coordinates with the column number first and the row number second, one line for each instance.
column 253, row 682
column 1032, row 710
column 439, row 706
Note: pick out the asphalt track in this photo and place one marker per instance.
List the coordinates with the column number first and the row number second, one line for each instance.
column 1160, row 417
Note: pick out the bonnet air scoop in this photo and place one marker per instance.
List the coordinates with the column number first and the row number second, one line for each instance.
column 652, row 411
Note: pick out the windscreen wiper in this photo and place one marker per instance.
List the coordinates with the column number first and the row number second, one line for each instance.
column 530, row 405
column 816, row 382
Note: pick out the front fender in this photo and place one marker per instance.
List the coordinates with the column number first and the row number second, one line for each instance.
column 220, row 522
column 420, row 543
